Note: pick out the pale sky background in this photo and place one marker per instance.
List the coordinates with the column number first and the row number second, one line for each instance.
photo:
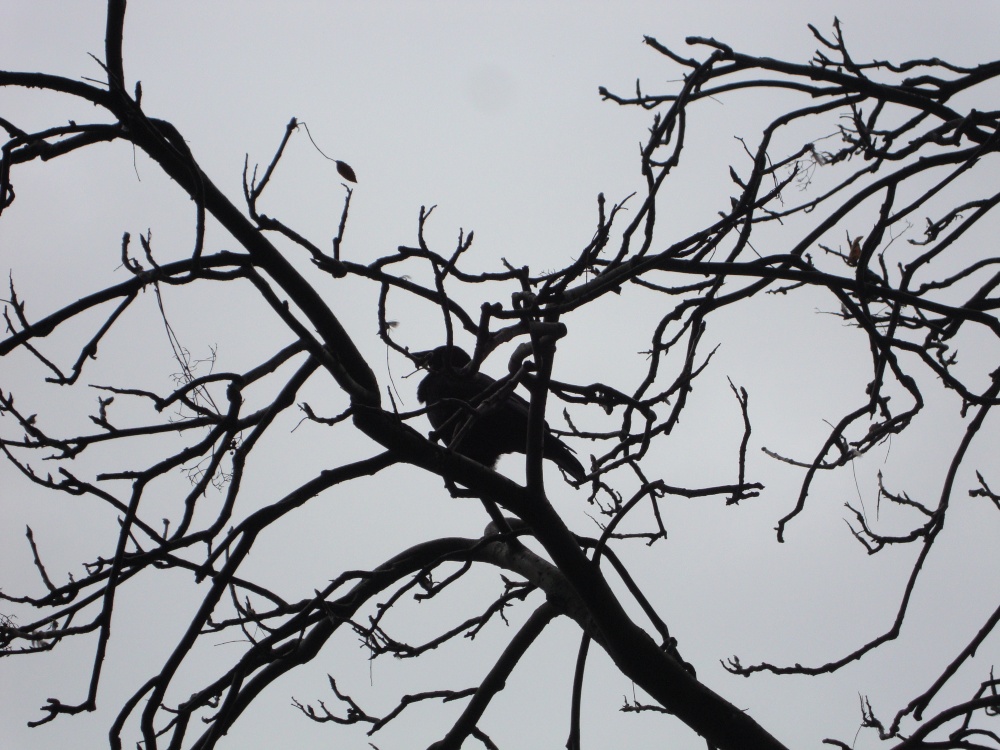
column 489, row 111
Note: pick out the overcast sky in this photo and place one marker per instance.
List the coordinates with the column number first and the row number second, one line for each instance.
column 489, row 111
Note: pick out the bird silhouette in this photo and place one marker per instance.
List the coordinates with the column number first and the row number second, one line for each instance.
column 490, row 423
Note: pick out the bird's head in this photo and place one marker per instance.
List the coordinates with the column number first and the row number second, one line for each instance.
column 442, row 358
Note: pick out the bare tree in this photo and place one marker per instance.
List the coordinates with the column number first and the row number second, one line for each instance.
column 811, row 215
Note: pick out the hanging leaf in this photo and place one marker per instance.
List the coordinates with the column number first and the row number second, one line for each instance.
column 345, row 171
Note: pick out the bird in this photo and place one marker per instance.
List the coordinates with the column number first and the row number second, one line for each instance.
column 454, row 393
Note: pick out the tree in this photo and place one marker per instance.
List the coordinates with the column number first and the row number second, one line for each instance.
column 813, row 218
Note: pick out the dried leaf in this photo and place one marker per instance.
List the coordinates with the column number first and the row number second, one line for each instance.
column 345, row 171
column 855, row 256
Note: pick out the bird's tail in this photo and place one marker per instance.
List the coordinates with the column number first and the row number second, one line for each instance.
column 560, row 453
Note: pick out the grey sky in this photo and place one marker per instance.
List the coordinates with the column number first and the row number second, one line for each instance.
column 490, row 112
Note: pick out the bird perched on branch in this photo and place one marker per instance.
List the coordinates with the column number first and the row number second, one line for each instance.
column 489, row 419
